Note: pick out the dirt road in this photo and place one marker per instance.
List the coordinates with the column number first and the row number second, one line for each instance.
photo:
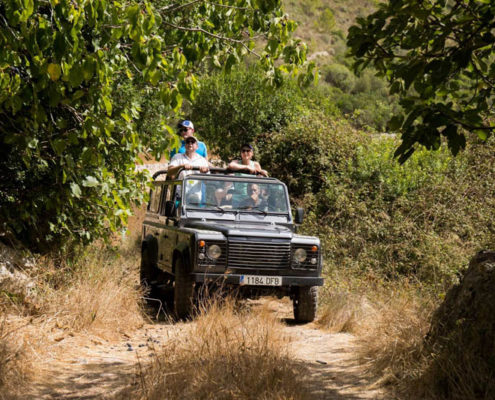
column 91, row 368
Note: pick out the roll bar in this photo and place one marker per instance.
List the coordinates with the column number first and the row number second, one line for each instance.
column 213, row 170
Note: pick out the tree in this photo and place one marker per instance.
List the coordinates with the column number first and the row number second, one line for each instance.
column 240, row 108
column 74, row 78
column 438, row 55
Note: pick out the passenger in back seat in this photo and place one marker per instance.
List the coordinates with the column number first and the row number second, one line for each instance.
column 246, row 164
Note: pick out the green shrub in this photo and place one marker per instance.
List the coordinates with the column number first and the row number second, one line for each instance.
column 237, row 108
column 308, row 150
column 325, row 23
column 340, row 76
column 423, row 220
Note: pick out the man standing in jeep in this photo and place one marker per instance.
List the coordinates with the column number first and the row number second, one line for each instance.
column 188, row 160
column 186, row 129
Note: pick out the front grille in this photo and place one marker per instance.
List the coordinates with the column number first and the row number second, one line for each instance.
column 259, row 254
column 306, row 264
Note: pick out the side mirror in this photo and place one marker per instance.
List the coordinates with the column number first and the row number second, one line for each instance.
column 299, row 215
column 169, row 208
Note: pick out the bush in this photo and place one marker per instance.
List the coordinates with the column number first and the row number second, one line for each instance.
column 325, row 22
column 422, row 220
column 311, row 148
column 235, row 109
column 340, row 76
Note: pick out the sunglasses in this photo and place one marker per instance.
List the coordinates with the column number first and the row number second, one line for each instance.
column 182, row 130
column 190, row 141
column 246, row 150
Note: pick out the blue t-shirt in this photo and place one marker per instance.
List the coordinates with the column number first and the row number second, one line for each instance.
column 182, row 149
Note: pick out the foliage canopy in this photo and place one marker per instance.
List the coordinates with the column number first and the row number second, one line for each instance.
column 438, row 56
column 74, row 77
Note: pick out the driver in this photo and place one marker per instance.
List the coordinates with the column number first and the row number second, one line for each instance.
column 188, row 160
column 246, row 163
column 255, row 199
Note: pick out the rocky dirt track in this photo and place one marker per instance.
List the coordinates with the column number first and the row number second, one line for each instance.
column 97, row 369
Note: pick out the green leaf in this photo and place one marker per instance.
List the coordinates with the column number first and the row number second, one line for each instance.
column 90, row 181
column 54, row 71
column 76, row 190
column 108, row 105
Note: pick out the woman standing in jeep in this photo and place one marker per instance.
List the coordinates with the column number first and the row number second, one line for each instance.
column 246, row 163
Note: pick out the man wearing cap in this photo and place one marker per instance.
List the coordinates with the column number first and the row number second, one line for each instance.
column 246, row 163
column 186, row 129
column 187, row 160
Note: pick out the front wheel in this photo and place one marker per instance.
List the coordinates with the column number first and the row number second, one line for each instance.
column 183, row 290
column 305, row 303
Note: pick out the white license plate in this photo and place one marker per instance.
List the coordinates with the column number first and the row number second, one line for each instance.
column 258, row 280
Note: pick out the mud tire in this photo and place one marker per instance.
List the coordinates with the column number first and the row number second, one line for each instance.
column 183, row 290
column 305, row 303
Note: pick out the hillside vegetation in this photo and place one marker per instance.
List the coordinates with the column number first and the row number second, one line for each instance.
column 395, row 237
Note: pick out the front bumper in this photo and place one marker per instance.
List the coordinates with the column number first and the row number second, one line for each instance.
column 234, row 279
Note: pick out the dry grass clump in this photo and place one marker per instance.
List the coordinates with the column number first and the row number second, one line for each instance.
column 14, row 366
column 390, row 321
column 345, row 304
column 342, row 311
column 393, row 341
column 228, row 353
column 98, row 294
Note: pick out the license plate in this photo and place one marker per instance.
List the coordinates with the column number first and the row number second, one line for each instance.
column 258, row 280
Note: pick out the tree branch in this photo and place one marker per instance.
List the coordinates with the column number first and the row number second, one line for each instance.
column 219, row 37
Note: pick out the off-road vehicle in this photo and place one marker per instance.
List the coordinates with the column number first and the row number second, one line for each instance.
column 230, row 230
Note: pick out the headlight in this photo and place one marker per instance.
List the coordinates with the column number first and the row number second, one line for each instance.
column 300, row 255
column 214, row 251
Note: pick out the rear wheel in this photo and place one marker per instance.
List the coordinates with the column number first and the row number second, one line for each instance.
column 305, row 303
column 183, row 290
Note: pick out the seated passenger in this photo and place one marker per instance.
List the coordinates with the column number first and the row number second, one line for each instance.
column 223, row 195
column 188, row 160
column 255, row 199
column 246, row 163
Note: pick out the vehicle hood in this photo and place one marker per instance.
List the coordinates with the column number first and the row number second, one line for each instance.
column 243, row 229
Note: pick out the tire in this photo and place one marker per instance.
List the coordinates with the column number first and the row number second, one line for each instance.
column 183, row 290
column 148, row 271
column 305, row 303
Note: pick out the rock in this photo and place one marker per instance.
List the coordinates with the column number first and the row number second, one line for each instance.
column 462, row 334
column 13, row 279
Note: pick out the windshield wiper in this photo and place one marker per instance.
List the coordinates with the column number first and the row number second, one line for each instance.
column 207, row 205
column 256, row 208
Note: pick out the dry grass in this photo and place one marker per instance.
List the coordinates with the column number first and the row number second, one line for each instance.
column 393, row 342
column 390, row 321
column 343, row 311
column 228, row 353
column 98, row 294
column 14, row 367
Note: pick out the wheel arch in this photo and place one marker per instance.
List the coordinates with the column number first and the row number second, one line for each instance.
column 183, row 251
column 150, row 245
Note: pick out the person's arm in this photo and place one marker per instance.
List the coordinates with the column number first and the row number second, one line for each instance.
column 257, row 166
column 172, row 171
column 174, row 166
column 236, row 166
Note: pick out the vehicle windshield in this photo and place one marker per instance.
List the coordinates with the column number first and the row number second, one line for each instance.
column 226, row 195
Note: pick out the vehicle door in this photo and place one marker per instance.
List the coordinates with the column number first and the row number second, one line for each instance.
column 152, row 214
column 168, row 236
